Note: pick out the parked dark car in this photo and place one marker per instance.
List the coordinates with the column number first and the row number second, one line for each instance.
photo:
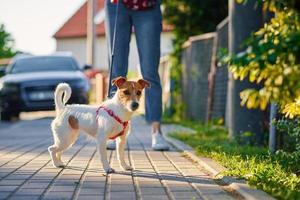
column 30, row 81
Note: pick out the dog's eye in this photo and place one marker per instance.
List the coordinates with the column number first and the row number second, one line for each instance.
column 126, row 92
column 138, row 93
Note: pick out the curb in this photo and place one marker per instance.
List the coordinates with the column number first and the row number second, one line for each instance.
column 214, row 168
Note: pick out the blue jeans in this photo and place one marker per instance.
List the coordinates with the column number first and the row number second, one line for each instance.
column 147, row 27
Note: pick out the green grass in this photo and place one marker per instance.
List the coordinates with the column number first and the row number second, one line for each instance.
column 275, row 174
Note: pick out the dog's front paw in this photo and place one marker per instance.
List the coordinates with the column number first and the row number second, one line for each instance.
column 58, row 164
column 127, row 168
column 109, row 170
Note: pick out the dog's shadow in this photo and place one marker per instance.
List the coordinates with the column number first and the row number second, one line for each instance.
column 203, row 179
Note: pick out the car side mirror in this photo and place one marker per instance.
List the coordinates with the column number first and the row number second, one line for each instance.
column 87, row 67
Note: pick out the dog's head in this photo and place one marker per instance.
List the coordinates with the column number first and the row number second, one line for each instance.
column 130, row 92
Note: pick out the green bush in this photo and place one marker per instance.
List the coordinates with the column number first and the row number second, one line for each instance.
column 277, row 174
column 271, row 58
column 292, row 128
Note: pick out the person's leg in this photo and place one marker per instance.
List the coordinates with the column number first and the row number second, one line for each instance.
column 148, row 26
column 122, row 40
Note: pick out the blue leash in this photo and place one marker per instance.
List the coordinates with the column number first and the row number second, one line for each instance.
column 112, row 53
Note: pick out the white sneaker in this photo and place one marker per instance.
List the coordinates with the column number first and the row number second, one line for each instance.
column 159, row 143
column 111, row 145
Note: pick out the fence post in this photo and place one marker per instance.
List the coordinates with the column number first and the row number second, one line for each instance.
column 100, row 88
column 211, row 79
column 272, row 132
column 243, row 20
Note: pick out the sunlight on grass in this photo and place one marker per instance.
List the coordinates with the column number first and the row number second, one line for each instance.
column 255, row 164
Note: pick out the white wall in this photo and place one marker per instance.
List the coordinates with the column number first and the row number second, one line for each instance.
column 75, row 45
column 78, row 47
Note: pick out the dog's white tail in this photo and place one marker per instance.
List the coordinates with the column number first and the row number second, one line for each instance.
column 63, row 89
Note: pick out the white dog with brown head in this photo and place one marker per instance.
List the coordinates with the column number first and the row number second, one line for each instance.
column 108, row 121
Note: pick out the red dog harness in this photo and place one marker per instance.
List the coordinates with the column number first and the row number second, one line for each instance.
column 112, row 114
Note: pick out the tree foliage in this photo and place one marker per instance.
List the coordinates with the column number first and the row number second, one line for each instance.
column 272, row 58
column 192, row 17
column 6, row 43
column 189, row 17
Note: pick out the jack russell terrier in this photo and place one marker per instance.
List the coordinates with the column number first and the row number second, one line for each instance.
column 109, row 121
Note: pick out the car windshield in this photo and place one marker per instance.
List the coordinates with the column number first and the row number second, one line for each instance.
column 40, row 64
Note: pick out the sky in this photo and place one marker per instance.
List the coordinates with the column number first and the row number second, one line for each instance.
column 32, row 23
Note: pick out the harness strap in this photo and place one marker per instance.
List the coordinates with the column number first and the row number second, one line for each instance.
column 113, row 115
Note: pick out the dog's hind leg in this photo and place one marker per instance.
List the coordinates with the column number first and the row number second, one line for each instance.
column 61, row 143
column 64, row 137
column 56, row 161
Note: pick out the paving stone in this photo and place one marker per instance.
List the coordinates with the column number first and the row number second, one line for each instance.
column 90, row 197
column 212, row 191
column 122, row 188
column 156, row 197
column 18, row 176
column 11, row 182
column 66, row 183
column 4, row 195
column 70, row 176
column 95, row 178
column 23, row 197
column 30, row 191
column 180, row 188
column 93, row 184
column 59, row 195
column 36, row 185
column 185, row 194
column 153, row 191
column 122, row 195
column 149, row 184
column 155, row 172
column 63, row 188
column 91, row 191
column 8, row 188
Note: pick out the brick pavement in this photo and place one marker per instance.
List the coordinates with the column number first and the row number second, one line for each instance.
column 26, row 171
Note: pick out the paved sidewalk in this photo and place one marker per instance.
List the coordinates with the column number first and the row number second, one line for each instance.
column 26, row 171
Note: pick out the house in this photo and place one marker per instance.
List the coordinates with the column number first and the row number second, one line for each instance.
column 72, row 37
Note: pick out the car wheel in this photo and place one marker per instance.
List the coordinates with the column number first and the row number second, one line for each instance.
column 15, row 116
column 5, row 116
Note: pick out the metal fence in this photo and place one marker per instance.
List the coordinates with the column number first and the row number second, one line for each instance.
column 196, row 62
column 204, row 85
column 221, row 75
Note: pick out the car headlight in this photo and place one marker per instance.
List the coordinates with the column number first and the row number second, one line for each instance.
column 1, row 85
column 8, row 87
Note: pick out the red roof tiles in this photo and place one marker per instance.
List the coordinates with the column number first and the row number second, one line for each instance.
column 76, row 26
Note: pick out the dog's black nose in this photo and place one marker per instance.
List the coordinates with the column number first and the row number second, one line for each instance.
column 134, row 105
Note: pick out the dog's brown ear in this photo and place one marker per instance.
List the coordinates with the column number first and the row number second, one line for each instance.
column 144, row 83
column 119, row 81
